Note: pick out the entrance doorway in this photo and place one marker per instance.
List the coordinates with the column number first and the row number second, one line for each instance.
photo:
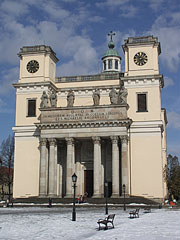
column 88, row 182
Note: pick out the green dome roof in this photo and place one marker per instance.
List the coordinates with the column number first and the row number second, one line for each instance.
column 111, row 51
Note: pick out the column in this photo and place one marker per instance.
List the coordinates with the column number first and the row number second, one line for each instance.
column 78, row 169
column 42, row 177
column 97, row 168
column 69, row 167
column 52, row 168
column 124, row 160
column 115, row 167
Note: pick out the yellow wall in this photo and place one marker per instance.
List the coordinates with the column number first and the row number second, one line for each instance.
column 153, row 104
column 146, row 166
column 26, row 167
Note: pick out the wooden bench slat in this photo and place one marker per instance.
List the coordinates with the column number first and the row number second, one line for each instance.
column 109, row 219
column 134, row 213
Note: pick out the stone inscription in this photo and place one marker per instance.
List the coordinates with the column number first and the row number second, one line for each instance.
column 80, row 115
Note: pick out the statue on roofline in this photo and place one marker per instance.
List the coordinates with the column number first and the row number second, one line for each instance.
column 70, row 98
column 96, row 97
column 113, row 96
column 44, row 100
column 122, row 95
column 53, row 99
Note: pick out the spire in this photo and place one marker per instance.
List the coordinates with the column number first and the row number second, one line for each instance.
column 111, row 44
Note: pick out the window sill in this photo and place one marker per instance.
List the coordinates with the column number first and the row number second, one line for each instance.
column 142, row 111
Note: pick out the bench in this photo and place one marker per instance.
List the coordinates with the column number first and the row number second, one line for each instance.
column 147, row 210
column 109, row 219
column 134, row 213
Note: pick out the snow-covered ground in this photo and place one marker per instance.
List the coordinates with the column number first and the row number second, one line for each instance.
column 55, row 223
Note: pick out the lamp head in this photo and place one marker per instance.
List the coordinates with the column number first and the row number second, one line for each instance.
column 74, row 178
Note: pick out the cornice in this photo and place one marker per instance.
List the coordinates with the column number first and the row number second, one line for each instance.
column 122, row 123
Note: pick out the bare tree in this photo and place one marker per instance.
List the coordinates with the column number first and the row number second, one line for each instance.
column 172, row 176
column 7, row 162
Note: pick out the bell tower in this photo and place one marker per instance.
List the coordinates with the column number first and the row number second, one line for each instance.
column 141, row 56
column 37, row 64
column 111, row 59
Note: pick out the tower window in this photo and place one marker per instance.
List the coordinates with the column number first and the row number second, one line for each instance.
column 110, row 64
column 116, row 64
column 31, row 105
column 104, row 65
column 142, row 102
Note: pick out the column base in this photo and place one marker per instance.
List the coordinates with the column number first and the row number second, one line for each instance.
column 52, row 195
column 43, row 196
column 115, row 195
column 69, row 196
column 97, row 195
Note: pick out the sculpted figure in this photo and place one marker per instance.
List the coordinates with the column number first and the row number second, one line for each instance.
column 53, row 99
column 70, row 98
column 44, row 100
column 122, row 95
column 113, row 96
column 96, row 97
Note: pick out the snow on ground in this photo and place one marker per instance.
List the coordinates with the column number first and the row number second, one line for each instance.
column 55, row 223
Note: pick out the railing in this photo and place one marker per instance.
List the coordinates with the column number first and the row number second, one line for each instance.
column 97, row 77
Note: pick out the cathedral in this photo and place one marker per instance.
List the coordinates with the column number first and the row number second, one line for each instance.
column 108, row 128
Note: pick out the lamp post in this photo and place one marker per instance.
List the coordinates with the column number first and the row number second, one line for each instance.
column 74, row 180
column 106, row 193
column 124, row 190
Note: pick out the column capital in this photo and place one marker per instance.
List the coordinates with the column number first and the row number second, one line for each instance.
column 43, row 141
column 96, row 139
column 69, row 140
column 124, row 139
column 114, row 139
column 52, row 141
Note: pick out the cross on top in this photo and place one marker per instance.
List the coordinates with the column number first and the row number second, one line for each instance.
column 111, row 34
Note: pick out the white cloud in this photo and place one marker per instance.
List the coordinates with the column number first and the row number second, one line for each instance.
column 13, row 8
column 168, row 82
column 55, row 11
column 7, row 78
column 173, row 120
column 125, row 8
column 155, row 4
column 167, row 28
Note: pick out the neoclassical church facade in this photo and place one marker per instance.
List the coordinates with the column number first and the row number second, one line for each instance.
column 108, row 127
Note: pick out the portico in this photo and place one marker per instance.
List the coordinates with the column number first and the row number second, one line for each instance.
column 94, row 154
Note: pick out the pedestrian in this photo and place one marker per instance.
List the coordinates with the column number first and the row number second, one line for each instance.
column 50, row 203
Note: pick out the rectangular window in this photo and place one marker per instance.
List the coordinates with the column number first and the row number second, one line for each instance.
column 142, row 102
column 31, row 111
column 104, row 65
column 116, row 64
column 110, row 64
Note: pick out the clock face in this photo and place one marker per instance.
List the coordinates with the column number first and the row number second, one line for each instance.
column 32, row 66
column 140, row 58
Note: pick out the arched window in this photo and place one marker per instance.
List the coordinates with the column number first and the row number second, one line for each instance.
column 104, row 65
column 116, row 64
column 110, row 64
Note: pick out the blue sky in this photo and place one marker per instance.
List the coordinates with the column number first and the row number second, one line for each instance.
column 77, row 32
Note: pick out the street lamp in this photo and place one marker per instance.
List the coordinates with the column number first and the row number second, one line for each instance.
column 124, row 190
column 74, row 180
column 106, row 194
